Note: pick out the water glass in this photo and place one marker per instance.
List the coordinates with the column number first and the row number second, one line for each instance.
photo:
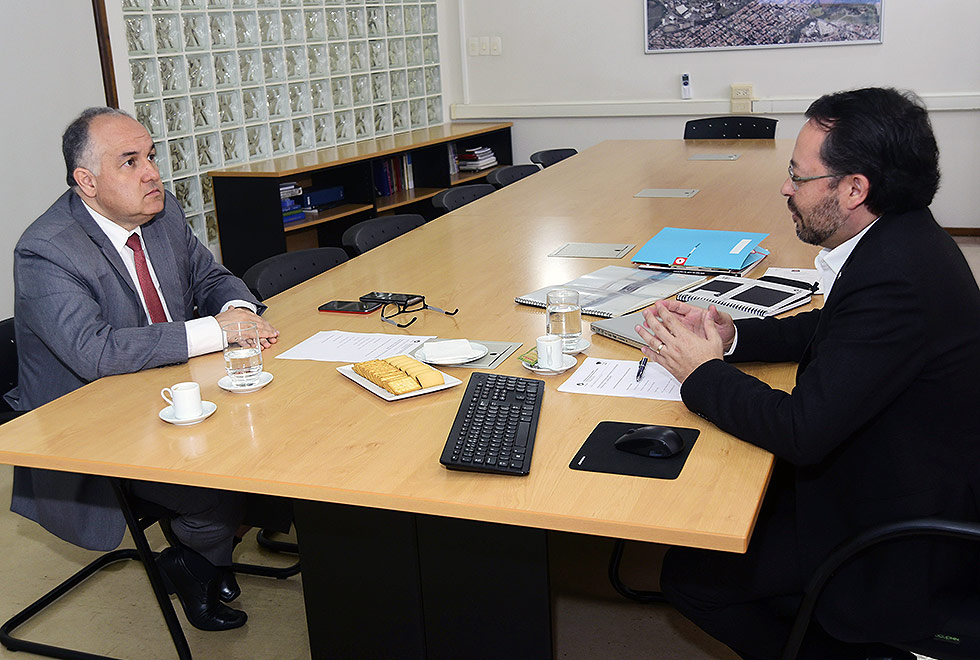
column 565, row 317
column 243, row 353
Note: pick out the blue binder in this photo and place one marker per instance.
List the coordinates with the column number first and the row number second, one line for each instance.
column 702, row 251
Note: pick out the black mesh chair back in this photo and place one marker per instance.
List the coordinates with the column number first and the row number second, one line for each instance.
column 730, row 128
column 8, row 367
column 283, row 271
column 508, row 174
column 549, row 157
column 452, row 199
column 958, row 639
column 369, row 234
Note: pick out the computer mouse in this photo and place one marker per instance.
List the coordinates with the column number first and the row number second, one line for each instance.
column 653, row 441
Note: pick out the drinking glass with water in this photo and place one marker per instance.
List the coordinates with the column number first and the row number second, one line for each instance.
column 565, row 317
column 243, row 353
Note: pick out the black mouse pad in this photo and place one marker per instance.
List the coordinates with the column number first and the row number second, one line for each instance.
column 599, row 454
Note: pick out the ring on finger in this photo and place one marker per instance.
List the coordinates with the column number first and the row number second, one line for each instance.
column 660, row 348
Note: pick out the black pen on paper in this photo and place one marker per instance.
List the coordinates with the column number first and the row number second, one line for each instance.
column 640, row 368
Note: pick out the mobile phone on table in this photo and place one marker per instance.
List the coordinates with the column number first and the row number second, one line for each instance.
column 385, row 298
column 350, row 306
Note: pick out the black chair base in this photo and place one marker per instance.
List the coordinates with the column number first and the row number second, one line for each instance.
column 617, row 583
column 147, row 557
column 141, row 553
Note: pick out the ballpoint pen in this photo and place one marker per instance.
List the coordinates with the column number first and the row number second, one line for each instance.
column 639, row 369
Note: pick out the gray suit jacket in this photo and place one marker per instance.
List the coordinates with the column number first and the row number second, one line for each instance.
column 78, row 317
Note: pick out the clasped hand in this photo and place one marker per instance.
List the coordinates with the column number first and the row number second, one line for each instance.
column 267, row 333
column 681, row 337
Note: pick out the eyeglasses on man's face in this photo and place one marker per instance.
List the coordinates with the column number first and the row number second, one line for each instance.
column 798, row 180
column 390, row 310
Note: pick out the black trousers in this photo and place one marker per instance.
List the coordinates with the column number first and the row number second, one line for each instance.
column 204, row 519
column 748, row 601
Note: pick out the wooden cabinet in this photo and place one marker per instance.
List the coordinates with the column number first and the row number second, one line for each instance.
column 247, row 197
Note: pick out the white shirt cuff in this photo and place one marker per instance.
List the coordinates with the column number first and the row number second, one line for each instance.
column 734, row 343
column 203, row 336
column 239, row 303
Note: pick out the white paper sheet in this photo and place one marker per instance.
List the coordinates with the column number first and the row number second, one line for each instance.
column 618, row 378
column 340, row 346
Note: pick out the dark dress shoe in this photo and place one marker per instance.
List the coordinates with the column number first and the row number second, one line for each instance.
column 228, row 589
column 198, row 598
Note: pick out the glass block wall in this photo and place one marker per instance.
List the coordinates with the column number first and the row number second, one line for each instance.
column 223, row 82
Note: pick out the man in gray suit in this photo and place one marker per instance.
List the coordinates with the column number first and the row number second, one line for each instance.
column 107, row 281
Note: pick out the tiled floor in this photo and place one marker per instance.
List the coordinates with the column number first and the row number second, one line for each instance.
column 115, row 614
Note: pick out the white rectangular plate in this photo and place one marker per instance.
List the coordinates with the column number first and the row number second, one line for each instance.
column 348, row 370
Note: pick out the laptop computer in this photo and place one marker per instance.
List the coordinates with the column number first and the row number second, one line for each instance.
column 621, row 328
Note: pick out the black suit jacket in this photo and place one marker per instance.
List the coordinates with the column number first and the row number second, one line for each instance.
column 883, row 423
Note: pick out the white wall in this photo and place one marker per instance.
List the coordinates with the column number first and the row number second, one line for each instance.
column 573, row 73
column 49, row 64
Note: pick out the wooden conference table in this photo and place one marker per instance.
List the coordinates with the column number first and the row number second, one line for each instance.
column 401, row 557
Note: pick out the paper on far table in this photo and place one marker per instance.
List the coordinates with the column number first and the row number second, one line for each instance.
column 340, row 346
column 618, row 378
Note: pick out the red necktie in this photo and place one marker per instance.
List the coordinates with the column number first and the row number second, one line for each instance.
column 153, row 304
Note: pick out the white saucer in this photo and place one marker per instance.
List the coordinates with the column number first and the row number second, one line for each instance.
column 583, row 344
column 568, row 362
column 167, row 415
column 479, row 350
column 264, row 379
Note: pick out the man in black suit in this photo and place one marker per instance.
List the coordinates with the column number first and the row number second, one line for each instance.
column 882, row 423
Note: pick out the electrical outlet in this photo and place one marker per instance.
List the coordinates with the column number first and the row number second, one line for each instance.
column 484, row 45
column 473, row 46
column 742, row 91
column 741, row 106
column 496, row 46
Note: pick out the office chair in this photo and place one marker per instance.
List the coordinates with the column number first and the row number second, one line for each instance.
column 283, row 271
column 960, row 637
column 453, row 198
column 730, row 128
column 138, row 515
column 508, row 174
column 8, row 368
column 369, row 234
column 549, row 157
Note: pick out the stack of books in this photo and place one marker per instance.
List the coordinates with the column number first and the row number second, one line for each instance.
column 393, row 175
column 476, row 159
column 289, row 195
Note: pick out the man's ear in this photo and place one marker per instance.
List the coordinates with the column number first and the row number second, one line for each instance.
column 856, row 191
column 85, row 181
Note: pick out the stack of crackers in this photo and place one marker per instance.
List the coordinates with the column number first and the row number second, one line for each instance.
column 400, row 374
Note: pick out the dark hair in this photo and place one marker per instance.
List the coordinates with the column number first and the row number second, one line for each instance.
column 885, row 135
column 75, row 140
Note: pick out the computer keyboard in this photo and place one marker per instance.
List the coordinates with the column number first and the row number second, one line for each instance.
column 495, row 425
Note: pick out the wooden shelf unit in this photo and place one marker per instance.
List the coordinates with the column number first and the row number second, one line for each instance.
column 247, row 201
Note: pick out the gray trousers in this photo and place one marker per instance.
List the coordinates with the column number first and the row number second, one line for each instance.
column 205, row 520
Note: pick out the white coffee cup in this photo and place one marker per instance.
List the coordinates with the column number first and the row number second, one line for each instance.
column 549, row 352
column 185, row 398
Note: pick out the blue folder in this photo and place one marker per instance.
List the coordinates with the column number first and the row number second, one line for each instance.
column 702, row 251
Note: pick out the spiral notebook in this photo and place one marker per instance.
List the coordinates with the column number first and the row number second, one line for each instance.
column 748, row 296
column 617, row 290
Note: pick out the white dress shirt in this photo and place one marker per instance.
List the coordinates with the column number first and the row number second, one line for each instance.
column 203, row 334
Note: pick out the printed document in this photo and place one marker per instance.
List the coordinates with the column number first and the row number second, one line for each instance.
column 618, row 378
column 340, row 346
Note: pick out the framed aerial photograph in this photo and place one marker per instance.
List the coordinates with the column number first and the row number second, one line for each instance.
column 686, row 25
